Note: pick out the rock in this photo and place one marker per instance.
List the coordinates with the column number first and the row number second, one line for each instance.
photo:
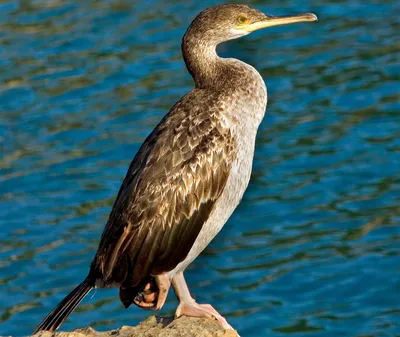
column 156, row 327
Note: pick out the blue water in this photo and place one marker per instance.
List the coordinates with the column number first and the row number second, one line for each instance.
column 313, row 249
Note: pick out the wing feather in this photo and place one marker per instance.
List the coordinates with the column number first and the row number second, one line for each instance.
column 167, row 195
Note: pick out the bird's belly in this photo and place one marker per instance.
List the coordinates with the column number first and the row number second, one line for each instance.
column 231, row 196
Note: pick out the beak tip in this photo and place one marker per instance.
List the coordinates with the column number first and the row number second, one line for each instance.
column 312, row 17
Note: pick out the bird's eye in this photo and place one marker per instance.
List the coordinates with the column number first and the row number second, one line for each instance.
column 243, row 19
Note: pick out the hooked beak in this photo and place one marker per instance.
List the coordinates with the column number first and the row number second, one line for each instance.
column 280, row 20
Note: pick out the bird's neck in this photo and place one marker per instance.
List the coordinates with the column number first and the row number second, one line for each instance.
column 202, row 61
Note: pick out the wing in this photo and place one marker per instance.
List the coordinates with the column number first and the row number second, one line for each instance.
column 168, row 193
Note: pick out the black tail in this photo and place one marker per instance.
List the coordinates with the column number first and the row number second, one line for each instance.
column 65, row 307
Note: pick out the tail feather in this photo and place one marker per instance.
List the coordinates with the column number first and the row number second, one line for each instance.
column 61, row 312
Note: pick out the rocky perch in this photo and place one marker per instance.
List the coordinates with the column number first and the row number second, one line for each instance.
column 156, row 327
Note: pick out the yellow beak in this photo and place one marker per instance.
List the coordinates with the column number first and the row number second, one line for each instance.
column 280, row 20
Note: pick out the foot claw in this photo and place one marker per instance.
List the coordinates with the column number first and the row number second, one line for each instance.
column 201, row 310
column 147, row 298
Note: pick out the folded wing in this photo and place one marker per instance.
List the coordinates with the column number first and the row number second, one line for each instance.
column 168, row 194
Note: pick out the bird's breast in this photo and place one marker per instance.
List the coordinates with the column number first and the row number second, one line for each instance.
column 244, row 99
column 243, row 129
column 241, row 106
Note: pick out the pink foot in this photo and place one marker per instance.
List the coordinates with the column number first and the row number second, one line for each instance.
column 194, row 309
column 147, row 298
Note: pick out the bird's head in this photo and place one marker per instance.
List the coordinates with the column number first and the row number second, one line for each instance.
column 230, row 21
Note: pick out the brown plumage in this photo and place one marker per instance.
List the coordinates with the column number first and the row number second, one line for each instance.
column 188, row 176
column 167, row 194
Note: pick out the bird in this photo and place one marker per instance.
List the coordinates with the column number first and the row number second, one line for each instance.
column 188, row 176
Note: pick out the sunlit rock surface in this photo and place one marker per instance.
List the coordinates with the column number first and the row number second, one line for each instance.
column 156, row 327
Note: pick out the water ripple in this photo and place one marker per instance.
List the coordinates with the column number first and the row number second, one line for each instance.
column 313, row 248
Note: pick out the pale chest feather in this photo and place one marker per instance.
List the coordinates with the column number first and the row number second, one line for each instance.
column 244, row 109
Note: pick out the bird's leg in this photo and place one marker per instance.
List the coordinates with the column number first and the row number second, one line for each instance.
column 189, row 307
column 163, row 283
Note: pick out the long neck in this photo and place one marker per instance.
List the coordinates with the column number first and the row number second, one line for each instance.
column 201, row 59
column 242, row 85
